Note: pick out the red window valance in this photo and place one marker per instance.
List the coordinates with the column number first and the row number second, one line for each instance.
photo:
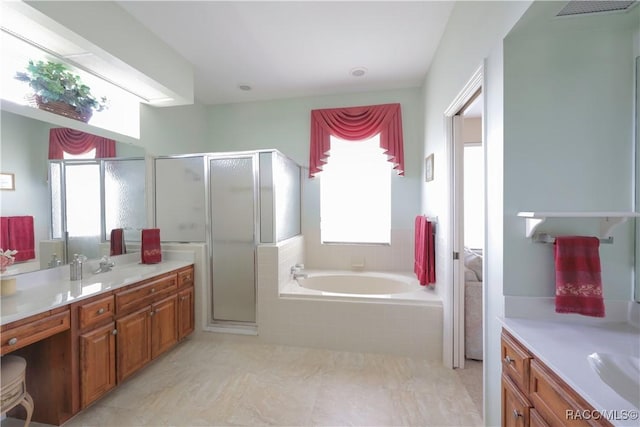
column 355, row 124
column 76, row 142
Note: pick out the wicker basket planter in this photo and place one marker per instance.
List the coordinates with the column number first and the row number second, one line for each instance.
column 59, row 108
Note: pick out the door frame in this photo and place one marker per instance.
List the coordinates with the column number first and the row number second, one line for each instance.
column 454, row 333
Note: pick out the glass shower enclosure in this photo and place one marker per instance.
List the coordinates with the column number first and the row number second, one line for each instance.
column 233, row 202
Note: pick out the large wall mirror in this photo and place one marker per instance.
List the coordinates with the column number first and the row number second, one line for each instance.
column 637, row 184
column 73, row 202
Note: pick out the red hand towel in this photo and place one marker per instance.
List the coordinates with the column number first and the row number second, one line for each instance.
column 117, row 242
column 21, row 237
column 578, row 276
column 4, row 233
column 150, row 251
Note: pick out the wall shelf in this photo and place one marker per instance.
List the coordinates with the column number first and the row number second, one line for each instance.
column 608, row 220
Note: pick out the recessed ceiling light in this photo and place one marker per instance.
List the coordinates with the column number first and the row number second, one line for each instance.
column 358, row 71
column 244, row 87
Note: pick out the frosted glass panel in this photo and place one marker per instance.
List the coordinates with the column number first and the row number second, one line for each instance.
column 232, row 200
column 83, row 207
column 55, row 178
column 287, row 197
column 180, row 199
column 266, row 198
column 124, row 187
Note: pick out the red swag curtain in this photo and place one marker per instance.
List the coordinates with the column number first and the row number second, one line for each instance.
column 77, row 142
column 354, row 124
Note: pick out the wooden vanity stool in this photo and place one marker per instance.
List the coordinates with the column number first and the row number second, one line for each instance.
column 14, row 388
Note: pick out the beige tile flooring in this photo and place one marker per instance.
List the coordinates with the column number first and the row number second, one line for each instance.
column 221, row 379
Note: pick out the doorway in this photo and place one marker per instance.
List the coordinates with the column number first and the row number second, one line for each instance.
column 465, row 139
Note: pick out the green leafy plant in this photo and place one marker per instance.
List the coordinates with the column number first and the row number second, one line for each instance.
column 52, row 82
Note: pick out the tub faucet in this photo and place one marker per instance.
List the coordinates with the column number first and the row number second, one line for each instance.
column 105, row 265
column 296, row 272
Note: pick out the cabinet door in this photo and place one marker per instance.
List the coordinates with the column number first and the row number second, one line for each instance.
column 164, row 325
column 97, row 363
column 515, row 406
column 134, row 342
column 186, row 321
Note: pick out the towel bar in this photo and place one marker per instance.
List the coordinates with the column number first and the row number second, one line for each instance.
column 547, row 238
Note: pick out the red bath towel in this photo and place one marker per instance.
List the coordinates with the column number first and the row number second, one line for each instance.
column 150, row 251
column 578, row 276
column 117, row 242
column 424, row 252
column 21, row 237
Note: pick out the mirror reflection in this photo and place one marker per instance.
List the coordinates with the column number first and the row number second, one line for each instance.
column 75, row 200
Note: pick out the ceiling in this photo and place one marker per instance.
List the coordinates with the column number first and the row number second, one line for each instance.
column 293, row 49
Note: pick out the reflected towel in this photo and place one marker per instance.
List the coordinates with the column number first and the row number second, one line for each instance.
column 21, row 237
column 424, row 251
column 151, row 251
column 4, row 233
column 578, row 276
column 117, row 242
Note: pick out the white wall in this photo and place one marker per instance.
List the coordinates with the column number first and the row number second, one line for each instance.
column 173, row 130
column 568, row 140
column 285, row 124
column 474, row 35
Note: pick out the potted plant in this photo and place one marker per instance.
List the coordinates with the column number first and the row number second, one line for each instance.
column 58, row 90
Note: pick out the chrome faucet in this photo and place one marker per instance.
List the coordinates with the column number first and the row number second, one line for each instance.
column 105, row 265
column 296, row 272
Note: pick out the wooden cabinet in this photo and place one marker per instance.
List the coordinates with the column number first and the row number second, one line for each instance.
column 532, row 395
column 77, row 353
column 97, row 363
column 164, row 325
column 186, row 319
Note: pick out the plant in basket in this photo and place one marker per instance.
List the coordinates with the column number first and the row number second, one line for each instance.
column 57, row 89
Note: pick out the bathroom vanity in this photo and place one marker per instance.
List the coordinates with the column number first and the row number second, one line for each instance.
column 80, row 343
column 547, row 379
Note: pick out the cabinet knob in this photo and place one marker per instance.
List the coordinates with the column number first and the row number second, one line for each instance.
column 114, row 332
column 153, row 290
column 101, row 311
column 151, row 313
column 183, row 299
column 516, row 414
column 13, row 341
column 508, row 360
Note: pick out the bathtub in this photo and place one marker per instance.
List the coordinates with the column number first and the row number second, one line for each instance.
column 363, row 286
column 354, row 311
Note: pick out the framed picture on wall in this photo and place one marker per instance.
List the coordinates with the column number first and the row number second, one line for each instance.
column 428, row 168
column 7, row 181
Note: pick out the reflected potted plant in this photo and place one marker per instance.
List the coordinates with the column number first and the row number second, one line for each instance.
column 58, row 90
column 7, row 284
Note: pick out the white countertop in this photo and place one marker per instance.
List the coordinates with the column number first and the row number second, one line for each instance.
column 44, row 290
column 564, row 347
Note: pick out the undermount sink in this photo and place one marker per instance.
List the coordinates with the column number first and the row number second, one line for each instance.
column 620, row 372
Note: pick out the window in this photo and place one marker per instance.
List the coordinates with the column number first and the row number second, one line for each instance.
column 91, row 154
column 355, row 193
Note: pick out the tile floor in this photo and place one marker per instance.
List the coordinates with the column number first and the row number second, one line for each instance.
column 221, row 379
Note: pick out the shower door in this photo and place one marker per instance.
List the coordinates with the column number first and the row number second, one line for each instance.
column 233, row 207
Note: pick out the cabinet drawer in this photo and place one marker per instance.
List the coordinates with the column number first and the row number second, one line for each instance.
column 185, row 277
column 515, row 406
column 28, row 332
column 146, row 293
column 515, row 361
column 95, row 312
column 556, row 402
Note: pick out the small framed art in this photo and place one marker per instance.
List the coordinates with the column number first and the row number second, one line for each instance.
column 7, row 181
